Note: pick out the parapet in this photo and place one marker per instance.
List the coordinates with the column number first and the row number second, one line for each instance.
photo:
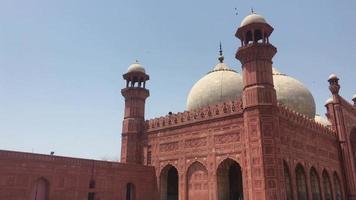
column 304, row 121
column 187, row 117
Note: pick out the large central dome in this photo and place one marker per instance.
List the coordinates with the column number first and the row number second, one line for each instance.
column 223, row 83
column 219, row 85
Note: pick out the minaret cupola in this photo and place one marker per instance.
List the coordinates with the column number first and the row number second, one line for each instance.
column 136, row 76
column 254, row 29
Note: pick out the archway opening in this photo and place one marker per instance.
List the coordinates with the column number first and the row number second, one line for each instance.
column 301, row 183
column 169, row 183
column 229, row 177
column 197, row 182
column 288, row 182
column 40, row 190
column 315, row 185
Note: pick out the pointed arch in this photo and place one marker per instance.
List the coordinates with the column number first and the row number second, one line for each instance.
column 169, row 183
column 301, row 182
column 230, row 180
column 287, row 181
column 327, row 186
column 337, row 187
column 40, row 190
column 197, row 181
column 315, row 184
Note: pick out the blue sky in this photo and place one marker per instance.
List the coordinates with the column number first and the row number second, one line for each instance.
column 61, row 62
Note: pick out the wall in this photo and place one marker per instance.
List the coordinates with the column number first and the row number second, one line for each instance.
column 310, row 145
column 68, row 178
column 196, row 143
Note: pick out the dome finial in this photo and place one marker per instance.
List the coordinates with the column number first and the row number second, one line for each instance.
column 221, row 56
column 252, row 11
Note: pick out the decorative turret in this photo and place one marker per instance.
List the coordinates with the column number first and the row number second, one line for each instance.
column 135, row 95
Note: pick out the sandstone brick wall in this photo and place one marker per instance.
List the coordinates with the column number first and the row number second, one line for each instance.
column 311, row 149
column 68, row 178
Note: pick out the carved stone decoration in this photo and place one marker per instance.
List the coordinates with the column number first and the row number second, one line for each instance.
column 167, row 147
column 197, row 142
column 227, row 138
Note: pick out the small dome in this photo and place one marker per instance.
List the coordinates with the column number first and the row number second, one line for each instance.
column 253, row 18
column 322, row 120
column 332, row 76
column 219, row 85
column 293, row 94
column 136, row 67
column 329, row 100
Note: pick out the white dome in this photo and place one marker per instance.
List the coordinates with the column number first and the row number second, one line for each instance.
column 293, row 94
column 219, row 85
column 223, row 84
column 136, row 67
column 322, row 120
column 253, row 18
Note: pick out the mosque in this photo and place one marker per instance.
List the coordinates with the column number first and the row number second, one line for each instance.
column 248, row 136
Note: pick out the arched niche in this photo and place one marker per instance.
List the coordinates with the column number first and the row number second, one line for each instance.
column 229, row 177
column 315, row 184
column 169, row 183
column 337, row 187
column 287, row 182
column 301, row 182
column 40, row 190
column 353, row 144
column 197, row 182
column 130, row 193
column 327, row 186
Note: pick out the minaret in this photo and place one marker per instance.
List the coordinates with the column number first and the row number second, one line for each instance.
column 263, row 164
column 335, row 111
column 135, row 94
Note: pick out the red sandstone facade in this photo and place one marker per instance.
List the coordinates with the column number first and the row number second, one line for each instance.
column 27, row 176
column 251, row 148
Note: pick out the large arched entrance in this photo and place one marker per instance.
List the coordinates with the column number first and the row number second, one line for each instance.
column 169, row 183
column 229, row 177
column 197, row 182
column 40, row 190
